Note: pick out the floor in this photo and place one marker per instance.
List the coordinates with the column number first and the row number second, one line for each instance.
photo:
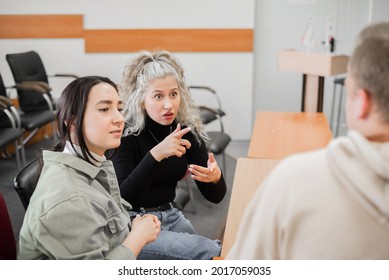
column 238, row 148
column 207, row 218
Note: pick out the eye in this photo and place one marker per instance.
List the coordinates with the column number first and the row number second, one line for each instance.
column 104, row 109
column 174, row 94
column 158, row 96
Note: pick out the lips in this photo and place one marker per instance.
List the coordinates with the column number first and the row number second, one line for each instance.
column 168, row 114
column 116, row 132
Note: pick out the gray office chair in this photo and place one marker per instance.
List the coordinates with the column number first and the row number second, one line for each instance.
column 30, row 120
column 217, row 144
column 337, row 101
column 26, row 180
column 219, row 140
column 27, row 68
column 10, row 128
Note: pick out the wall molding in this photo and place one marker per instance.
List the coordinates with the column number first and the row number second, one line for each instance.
column 175, row 40
column 41, row 26
column 125, row 40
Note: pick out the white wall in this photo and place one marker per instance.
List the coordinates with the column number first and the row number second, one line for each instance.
column 246, row 82
column 230, row 74
column 280, row 25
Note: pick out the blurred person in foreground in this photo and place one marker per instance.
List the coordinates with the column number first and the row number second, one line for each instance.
column 332, row 203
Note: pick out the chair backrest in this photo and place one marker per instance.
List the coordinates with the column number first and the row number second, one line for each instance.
column 28, row 66
column 7, row 238
column 26, row 180
column 4, row 119
column 213, row 110
column 3, row 90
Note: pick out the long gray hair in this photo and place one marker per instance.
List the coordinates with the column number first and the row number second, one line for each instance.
column 139, row 72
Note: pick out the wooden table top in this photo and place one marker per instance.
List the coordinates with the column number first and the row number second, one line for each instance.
column 249, row 174
column 275, row 136
column 279, row 134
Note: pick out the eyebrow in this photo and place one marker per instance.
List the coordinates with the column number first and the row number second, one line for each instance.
column 108, row 102
column 158, row 90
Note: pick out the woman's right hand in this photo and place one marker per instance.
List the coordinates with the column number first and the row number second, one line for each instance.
column 172, row 145
column 144, row 230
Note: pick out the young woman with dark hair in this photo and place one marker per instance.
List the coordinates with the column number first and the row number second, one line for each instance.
column 76, row 211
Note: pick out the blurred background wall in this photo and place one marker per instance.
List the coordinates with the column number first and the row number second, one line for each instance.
column 246, row 79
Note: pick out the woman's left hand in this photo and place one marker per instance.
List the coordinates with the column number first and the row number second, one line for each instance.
column 211, row 173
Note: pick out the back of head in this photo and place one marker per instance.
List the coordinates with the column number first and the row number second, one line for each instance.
column 369, row 65
column 376, row 30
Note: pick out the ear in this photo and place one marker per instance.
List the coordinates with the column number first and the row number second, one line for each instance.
column 70, row 124
column 364, row 104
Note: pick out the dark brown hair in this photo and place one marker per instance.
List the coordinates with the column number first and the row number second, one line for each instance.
column 71, row 109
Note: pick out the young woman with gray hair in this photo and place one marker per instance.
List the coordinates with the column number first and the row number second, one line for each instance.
column 164, row 139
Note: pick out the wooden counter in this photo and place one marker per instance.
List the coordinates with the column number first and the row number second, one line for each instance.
column 279, row 134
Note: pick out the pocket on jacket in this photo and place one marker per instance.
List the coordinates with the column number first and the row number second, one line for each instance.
column 117, row 224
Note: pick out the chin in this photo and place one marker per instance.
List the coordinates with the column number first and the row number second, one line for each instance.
column 168, row 122
column 115, row 145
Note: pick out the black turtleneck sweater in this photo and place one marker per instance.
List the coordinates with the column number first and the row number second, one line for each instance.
column 145, row 182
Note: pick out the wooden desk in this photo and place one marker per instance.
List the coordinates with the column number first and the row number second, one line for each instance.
column 279, row 134
column 249, row 174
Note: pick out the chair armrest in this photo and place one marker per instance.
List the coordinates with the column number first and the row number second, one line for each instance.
column 5, row 102
column 218, row 112
column 340, row 81
column 203, row 87
column 8, row 108
column 210, row 90
column 214, row 114
column 3, row 106
column 65, row 75
column 214, row 111
column 37, row 86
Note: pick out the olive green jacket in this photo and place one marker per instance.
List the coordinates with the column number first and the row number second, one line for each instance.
column 76, row 212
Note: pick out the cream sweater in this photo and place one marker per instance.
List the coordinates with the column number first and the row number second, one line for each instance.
column 327, row 204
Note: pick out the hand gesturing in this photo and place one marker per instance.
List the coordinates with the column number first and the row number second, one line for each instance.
column 172, row 145
column 211, row 173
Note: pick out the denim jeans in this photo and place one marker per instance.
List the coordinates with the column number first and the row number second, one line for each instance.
column 177, row 240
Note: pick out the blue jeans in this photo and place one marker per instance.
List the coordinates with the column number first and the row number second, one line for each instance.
column 177, row 240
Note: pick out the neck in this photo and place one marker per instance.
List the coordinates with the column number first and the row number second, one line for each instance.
column 96, row 160
column 375, row 131
column 158, row 128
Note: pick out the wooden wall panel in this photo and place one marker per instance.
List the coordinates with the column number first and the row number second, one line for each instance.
column 125, row 40
column 175, row 40
column 41, row 26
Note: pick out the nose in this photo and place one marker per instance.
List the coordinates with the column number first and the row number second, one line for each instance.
column 118, row 117
column 167, row 104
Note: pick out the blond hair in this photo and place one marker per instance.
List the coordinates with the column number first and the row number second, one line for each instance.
column 138, row 73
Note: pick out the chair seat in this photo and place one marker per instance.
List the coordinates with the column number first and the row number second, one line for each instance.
column 219, row 141
column 8, row 135
column 32, row 120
